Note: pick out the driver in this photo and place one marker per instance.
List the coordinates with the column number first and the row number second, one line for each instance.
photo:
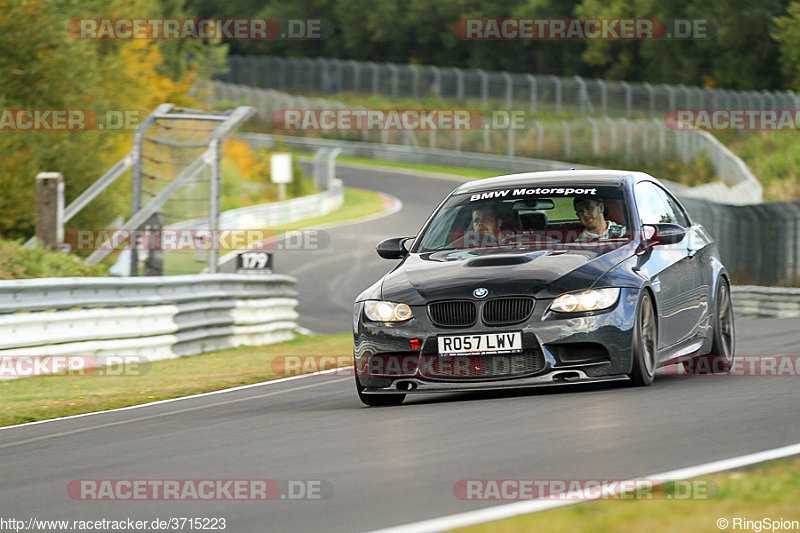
column 487, row 222
column 592, row 213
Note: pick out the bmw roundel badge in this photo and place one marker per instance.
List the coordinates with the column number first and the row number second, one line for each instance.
column 480, row 292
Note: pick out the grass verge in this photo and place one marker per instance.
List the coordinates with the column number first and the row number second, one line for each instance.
column 43, row 397
column 17, row 262
column 771, row 490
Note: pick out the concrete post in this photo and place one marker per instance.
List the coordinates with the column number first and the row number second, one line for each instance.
column 50, row 209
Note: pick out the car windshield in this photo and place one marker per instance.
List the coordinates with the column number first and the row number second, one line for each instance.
column 530, row 217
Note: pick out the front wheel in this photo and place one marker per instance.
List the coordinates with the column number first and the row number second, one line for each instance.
column 720, row 360
column 645, row 343
column 378, row 400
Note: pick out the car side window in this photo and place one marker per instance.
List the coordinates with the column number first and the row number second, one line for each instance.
column 680, row 214
column 653, row 204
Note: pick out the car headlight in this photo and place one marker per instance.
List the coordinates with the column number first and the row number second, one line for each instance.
column 590, row 300
column 381, row 311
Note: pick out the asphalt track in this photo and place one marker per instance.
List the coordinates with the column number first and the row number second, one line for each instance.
column 395, row 465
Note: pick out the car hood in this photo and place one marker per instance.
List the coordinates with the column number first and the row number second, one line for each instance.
column 422, row 278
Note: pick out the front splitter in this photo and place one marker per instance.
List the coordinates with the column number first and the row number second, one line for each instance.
column 420, row 386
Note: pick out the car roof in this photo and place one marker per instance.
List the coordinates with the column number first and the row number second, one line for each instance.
column 561, row 177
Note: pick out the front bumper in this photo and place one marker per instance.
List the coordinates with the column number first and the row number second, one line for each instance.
column 565, row 350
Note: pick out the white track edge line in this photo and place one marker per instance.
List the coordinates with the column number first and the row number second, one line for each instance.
column 169, row 400
column 508, row 510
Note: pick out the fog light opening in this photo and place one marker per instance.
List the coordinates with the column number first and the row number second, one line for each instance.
column 566, row 376
column 406, row 385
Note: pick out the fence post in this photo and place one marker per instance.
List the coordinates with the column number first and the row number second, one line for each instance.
column 702, row 93
column 613, row 141
column 375, row 77
column 459, row 84
column 567, row 139
column 670, row 96
column 282, row 73
column 356, row 74
column 603, row 97
column 662, row 136
column 628, row 140
column 509, row 90
column 154, row 264
column 688, row 94
column 582, row 96
column 484, row 85
column 558, row 93
column 414, row 80
column 323, row 81
column 437, row 82
column 214, row 189
column 768, row 95
column 645, row 142
column 532, row 81
column 628, row 98
column 651, row 96
column 50, row 209
column 395, row 79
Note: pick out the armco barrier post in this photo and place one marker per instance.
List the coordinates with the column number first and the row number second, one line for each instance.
column 50, row 209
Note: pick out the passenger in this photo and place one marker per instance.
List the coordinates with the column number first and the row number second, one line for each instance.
column 592, row 213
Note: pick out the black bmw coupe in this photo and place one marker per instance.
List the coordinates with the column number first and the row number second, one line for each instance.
column 544, row 278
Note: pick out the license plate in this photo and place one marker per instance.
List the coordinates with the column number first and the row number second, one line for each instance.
column 484, row 343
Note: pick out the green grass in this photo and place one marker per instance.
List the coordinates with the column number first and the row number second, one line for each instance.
column 17, row 262
column 773, row 157
column 44, row 397
column 770, row 491
column 357, row 203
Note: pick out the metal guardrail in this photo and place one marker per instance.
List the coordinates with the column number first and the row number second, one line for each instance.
column 635, row 141
column 150, row 317
column 410, row 154
column 276, row 213
column 771, row 302
column 583, row 96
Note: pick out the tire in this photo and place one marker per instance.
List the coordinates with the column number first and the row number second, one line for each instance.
column 378, row 400
column 645, row 343
column 720, row 360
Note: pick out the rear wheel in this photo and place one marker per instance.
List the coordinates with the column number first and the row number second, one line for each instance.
column 378, row 400
column 645, row 343
column 720, row 360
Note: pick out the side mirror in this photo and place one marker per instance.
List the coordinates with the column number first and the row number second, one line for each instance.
column 666, row 234
column 393, row 248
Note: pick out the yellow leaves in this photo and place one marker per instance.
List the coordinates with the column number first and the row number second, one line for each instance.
column 250, row 166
